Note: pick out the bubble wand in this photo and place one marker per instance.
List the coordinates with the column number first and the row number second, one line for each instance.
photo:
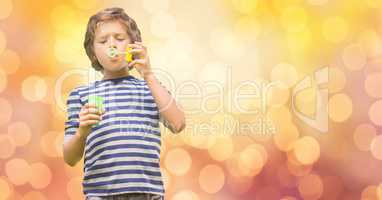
column 113, row 52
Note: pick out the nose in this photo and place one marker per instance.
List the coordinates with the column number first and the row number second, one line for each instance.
column 112, row 43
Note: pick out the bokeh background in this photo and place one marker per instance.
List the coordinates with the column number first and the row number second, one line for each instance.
column 199, row 42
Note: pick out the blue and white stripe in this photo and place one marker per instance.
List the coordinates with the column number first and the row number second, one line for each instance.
column 122, row 152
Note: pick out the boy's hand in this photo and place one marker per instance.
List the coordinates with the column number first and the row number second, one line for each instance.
column 89, row 116
column 141, row 61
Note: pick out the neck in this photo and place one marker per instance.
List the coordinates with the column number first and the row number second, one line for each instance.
column 112, row 75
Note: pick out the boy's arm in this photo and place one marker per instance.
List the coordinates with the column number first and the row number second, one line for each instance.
column 166, row 104
column 173, row 116
column 73, row 148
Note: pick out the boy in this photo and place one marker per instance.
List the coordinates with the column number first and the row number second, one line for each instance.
column 121, row 141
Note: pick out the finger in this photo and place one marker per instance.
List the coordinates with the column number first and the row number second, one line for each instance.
column 138, row 46
column 137, row 51
column 137, row 61
column 87, row 105
column 90, row 117
column 91, row 111
column 95, row 110
column 89, row 122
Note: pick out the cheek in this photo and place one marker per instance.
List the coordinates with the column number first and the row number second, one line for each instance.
column 122, row 45
column 99, row 52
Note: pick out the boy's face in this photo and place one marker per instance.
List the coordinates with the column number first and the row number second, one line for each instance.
column 111, row 34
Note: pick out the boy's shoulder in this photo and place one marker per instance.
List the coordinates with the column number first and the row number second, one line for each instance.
column 128, row 80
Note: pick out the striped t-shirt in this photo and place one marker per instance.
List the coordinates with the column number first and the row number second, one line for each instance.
column 122, row 152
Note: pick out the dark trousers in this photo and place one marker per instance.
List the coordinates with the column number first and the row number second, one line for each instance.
column 128, row 196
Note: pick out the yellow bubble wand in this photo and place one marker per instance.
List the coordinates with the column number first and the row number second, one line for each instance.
column 113, row 52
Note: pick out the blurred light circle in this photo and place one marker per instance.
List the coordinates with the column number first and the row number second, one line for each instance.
column 163, row 25
column 152, row 6
column 185, row 195
column 245, row 6
column 294, row 18
column 250, row 162
column 3, row 80
column 6, row 111
column 285, row 74
column 310, row 186
column 278, row 95
column 279, row 114
column 18, row 171
column 34, row 88
column 9, row 61
column 227, row 46
column 232, row 164
column 34, row 195
column 285, row 138
column 337, row 80
column 335, row 29
column 247, row 28
column 260, row 148
column 47, row 145
column 306, row 150
column 5, row 8
column 363, row 136
column 181, row 41
column 178, row 161
column 5, row 188
column 373, row 84
column 305, row 101
column 222, row 149
column 375, row 113
column 201, row 141
column 7, row 148
column 239, row 185
column 19, row 133
column 41, row 175
column 353, row 57
column 370, row 42
column 376, row 147
column 211, row 178
column 297, row 169
column 58, row 144
column 340, row 107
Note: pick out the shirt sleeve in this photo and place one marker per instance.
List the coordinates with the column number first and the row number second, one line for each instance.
column 73, row 109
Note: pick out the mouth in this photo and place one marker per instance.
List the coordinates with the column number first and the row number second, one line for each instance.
column 112, row 52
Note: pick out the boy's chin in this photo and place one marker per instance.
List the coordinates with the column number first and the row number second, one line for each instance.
column 116, row 68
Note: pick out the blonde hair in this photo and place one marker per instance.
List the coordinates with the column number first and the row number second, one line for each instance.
column 108, row 14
